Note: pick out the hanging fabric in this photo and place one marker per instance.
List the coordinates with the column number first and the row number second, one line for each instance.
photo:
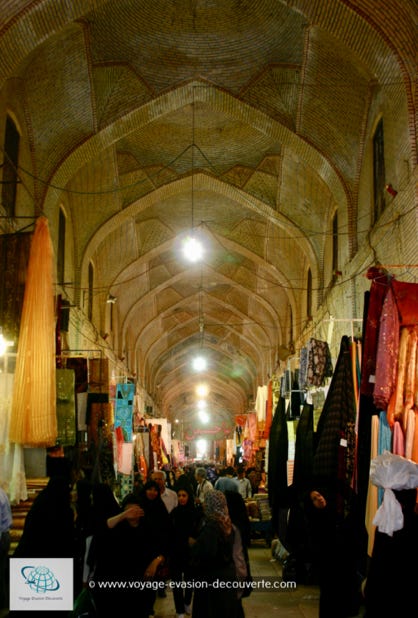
column 304, row 448
column 66, row 407
column 33, row 419
column 277, row 466
column 124, row 404
column 339, row 410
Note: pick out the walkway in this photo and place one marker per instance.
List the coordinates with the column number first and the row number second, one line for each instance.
column 299, row 602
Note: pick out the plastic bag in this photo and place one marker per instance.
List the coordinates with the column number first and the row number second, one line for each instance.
column 391, row 472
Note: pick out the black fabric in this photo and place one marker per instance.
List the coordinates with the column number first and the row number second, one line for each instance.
column 393, row 574
column 277, row 466
column 336, row 555
column 304, row 448
column 339, row 409
column 212, row 560
column 49, row 525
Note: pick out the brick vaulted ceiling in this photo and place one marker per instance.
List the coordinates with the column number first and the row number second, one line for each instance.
column 244, row 117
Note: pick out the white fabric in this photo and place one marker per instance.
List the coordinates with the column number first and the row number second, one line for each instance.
column 12, row 466
column 391, row 472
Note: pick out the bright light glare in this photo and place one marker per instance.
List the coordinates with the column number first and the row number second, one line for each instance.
column 201, row 404
column 4, row 344
column 202, row 390
column 199, row 363
column 204, row 416
column 201, row 448
column 193, row 249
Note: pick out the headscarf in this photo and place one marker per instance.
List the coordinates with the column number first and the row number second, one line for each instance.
column 216, row 510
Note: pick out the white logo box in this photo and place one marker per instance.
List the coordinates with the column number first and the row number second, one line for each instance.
column 41, row 584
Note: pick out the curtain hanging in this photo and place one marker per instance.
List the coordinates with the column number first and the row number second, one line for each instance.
column 33, row 416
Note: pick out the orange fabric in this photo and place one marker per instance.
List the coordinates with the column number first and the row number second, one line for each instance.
column 33, row 413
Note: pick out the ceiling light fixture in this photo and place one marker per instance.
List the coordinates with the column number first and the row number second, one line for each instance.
column 202, row 390
column 193, row 249
column 199, row 363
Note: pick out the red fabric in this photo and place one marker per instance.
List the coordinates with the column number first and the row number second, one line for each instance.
column 406, row 296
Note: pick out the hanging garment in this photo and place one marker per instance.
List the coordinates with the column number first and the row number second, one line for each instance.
column 277, row 463
column 395, row 406
column 12, row 464
column 124, row 409
column 372, row 495
column 304, row 448
column 398, row 440
column 319, row 362
column 387, row 353
column 260, row 403
column 269, row 409
column 339, row 410
column 303, row 368
column 384, row 443
column 371, row 323
column 98, row 375
column 410, row 432
column 406, row 296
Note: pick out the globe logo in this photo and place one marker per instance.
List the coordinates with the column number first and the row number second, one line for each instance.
column 40, row 578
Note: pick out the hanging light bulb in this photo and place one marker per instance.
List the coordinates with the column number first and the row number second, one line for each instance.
column 199, row 363
column 193, row 249
column 202, row 390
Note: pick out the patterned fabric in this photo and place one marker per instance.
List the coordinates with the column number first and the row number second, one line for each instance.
column 374, row 302
column 319, row 362
column 124, row 409
column 339, row 410
column 303, row 368
column 387, row 353
column 216, row 509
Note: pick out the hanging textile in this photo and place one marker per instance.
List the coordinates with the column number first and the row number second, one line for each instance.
column 387, row 353
column 277, row 466
column 66, row 407
column 98, row 375
column 260, row 403
column 372, row 494
column 269, row 409
column 339, row 410
column 33, row 419
column 319, row 362
column 14, row 257
column 124, row 409
column 371, row 322
column 304, row 448
column 12, row 465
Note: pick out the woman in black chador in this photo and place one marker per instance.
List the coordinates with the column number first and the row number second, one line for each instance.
column 212, row 561
column 185, row 522
column 49, row 525
column 337, row 540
